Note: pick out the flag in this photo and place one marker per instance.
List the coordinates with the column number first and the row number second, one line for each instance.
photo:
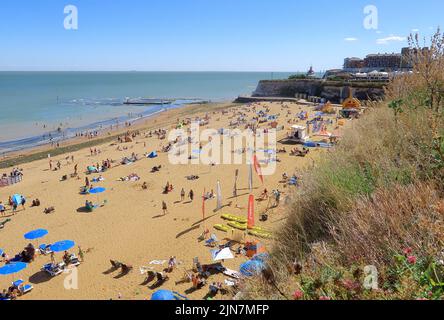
column 251, row 212
column 257, row 168
column 219, row 196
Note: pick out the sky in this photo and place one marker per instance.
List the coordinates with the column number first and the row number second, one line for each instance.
column 206, row 35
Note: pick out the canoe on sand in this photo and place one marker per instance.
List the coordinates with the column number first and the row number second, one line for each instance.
column 221, row 227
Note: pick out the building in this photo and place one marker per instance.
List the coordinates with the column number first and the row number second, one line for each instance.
column 383, row 62
column 354, row 63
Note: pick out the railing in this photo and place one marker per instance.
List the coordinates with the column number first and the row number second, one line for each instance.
column 7, row 181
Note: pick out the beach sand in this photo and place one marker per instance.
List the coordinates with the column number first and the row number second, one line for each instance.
column 131, row 228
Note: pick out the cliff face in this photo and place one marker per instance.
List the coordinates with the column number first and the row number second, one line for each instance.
column 333, row 91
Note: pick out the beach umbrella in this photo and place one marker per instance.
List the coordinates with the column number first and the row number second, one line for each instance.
column 36, row 234
column 12, row 268
column 163, row 295
column 251, row 268
column 17, row 199
column 1, row 252
column 224, row 254
column 62, row 245
column 97, row 190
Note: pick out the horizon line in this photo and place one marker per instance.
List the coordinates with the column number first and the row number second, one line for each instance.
column 189, row 71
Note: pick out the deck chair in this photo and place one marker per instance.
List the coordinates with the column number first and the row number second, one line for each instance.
column 74, row 260
column 22, row 287
column 45, row 249
column 53, row 269
column 213, row 241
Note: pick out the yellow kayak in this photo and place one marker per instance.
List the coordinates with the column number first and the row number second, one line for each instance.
column 260, row 234
column 259, row 229
column 231, row 217
column 221, row 227
column 237, row 225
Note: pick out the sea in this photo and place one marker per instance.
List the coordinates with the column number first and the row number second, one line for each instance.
column 38, row 108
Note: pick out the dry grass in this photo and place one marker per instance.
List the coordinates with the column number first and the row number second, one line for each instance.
column 377, row 193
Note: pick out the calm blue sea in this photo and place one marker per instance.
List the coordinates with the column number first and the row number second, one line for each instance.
column 34, row 104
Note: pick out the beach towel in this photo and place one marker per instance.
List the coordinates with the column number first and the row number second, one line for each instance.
column 152, row 155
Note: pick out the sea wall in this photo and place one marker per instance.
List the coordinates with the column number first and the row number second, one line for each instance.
column 334, row 91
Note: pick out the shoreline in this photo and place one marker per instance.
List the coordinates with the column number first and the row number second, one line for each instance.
column 153, row 121
column 58, row 134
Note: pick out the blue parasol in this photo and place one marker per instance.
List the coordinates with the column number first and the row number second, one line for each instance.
column 163, row 295
column 97, row 190
column 1, row 252
column 62, row 245
column 36, row 234
column 17, row 199
column 12, row 268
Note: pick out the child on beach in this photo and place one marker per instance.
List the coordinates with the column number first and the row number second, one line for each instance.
column 171, row 264
column 164, row 208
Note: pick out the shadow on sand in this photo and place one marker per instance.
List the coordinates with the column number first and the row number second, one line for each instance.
column 39, row 277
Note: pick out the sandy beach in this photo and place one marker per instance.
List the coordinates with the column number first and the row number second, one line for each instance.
column 131, row 227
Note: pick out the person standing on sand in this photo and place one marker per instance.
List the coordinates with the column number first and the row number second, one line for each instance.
column 23, row 203
column 86, row 182
column 164, row 208
column 191, row 195
column 182, row 195
column 50, row 165
column 75, row 169
column 2, row 209
column 80, row 254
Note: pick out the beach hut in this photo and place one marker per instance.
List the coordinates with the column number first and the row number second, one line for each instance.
column 299, row 134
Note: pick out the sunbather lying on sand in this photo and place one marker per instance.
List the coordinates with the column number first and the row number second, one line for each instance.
column 131, row 177
column 49, row 210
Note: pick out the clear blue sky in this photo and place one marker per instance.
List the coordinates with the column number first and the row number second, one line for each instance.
column 204, row 35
